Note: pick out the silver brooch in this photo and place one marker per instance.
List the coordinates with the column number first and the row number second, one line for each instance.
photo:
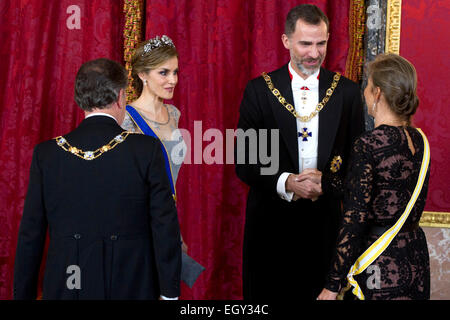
column 157, row 42
column 118, row 138
column 60, row 141
column 88, row 155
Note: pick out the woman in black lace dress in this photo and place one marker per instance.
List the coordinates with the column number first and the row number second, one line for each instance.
column 383, row 174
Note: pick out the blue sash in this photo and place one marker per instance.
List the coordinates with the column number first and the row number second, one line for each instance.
column 147, row 130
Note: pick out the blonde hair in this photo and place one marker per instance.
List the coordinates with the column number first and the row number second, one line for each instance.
column 143, row 62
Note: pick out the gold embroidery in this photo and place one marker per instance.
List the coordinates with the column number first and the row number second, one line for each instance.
column 132, row 34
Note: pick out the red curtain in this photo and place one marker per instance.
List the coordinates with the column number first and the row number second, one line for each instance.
column 222, row 44
column 43, row 45
column 425, row 42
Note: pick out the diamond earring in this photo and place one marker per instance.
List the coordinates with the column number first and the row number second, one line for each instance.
column 373, row 107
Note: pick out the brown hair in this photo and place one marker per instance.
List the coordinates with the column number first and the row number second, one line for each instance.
column 144, row 62
column 309, row 13
column 397, row 79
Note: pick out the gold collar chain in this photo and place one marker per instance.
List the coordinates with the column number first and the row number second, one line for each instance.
column 91, row 155
column 291, row 108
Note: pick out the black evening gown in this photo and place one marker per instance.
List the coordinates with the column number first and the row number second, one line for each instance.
column 380, row 183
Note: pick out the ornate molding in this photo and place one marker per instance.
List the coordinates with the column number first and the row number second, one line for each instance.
column 393, row 23
column 435, row 219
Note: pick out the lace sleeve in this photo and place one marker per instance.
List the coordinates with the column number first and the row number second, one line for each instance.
column 174, row 113
column 128, row 124
column 357, row 201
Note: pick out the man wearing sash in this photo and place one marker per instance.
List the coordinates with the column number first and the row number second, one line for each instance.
column 292, row 216
column 104, row 197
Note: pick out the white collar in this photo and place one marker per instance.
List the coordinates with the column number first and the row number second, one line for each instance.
column 100, row 114
column 311, row 80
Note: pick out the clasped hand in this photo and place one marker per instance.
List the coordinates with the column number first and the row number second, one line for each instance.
column 306, row 185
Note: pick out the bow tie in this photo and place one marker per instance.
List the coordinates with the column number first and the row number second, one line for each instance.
column 308, row 84
column 300, row 84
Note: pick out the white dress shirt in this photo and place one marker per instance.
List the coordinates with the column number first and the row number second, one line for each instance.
column 306, row 98
column 100, row 114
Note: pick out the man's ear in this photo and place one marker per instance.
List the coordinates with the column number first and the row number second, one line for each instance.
column 286, row 42
column 121, row 97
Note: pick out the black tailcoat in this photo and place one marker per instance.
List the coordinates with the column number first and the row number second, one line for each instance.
column 288, row 245
column 114, row 217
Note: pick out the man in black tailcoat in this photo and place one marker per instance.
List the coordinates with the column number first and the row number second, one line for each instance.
column 293, row 213
column 104, row 197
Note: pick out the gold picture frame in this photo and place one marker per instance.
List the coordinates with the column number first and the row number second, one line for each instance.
column 392, row 45
column 393, row 23
column 435, row 219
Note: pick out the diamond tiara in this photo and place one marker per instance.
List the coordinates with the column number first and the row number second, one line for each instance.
column 157, row 42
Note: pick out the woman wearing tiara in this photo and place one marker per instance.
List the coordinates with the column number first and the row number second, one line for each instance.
column 155, row 75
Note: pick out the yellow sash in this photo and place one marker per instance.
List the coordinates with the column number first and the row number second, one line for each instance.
column 377, row 248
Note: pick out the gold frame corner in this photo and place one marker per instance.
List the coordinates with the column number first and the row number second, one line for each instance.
column 435, row 219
